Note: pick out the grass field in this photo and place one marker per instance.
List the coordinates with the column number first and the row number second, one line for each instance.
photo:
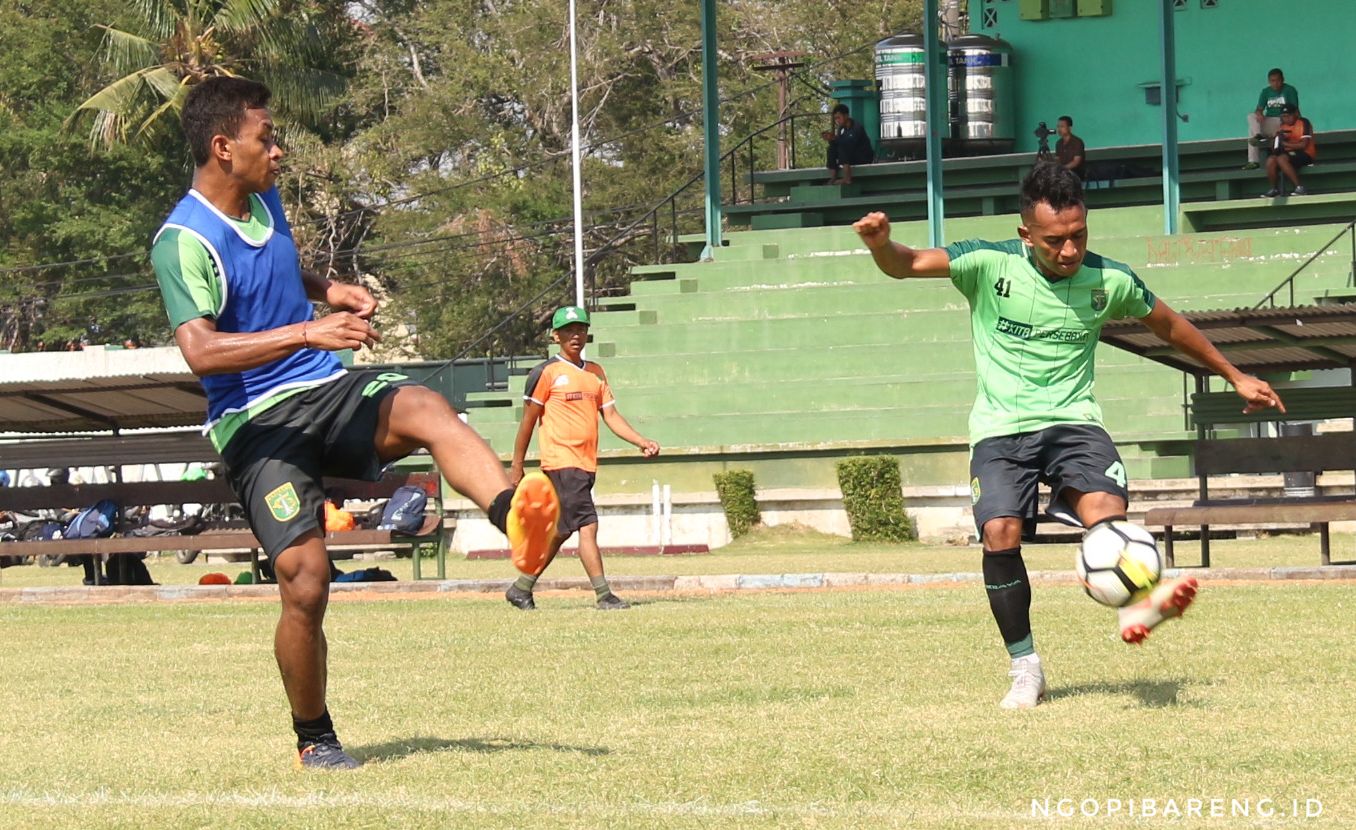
column 827, row 709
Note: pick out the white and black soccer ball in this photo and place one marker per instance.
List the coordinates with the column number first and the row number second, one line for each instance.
column 1118, row 563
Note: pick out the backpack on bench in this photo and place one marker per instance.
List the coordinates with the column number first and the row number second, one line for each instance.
column 404, row 513
column 95, row 522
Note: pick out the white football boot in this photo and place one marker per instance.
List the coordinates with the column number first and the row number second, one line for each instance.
column 1028, row 683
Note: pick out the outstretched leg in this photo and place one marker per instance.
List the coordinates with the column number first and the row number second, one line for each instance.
column 1167, row 600
column 414, row 417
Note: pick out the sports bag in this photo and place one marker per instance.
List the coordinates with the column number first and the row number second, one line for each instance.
column 94, row 522
column 405, row 511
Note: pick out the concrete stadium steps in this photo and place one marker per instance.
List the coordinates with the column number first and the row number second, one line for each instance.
column 1125, row 403
column 1141, row 229
column 895, row 329
column 943, row 361
column 1173, row 268
column 791, row 350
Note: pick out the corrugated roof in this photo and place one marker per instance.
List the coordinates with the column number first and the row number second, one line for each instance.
column 1254, row 339
column 98, row 389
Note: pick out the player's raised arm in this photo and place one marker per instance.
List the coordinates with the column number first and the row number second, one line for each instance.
column 1177, row 331
column 896, row 260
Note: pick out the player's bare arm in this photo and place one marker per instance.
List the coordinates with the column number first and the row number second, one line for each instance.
column 896, row 260
column 623, row 430
column 340, row 296
column 1177, row 331
column 211, row 352
column 531, row 414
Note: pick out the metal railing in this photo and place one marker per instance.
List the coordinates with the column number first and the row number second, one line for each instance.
column 1288, row 284
column 661, row 225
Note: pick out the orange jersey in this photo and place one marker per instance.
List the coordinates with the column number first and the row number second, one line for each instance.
column 1297, row 132
column 571, row 397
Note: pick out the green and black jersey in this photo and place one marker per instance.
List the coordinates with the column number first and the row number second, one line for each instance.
column 1034, row 337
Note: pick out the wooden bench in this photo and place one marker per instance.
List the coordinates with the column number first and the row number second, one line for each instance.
column 430, row 536
column 1260, row 456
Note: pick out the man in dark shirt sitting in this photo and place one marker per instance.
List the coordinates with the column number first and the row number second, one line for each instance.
column 848, row 146
column 1069, row 148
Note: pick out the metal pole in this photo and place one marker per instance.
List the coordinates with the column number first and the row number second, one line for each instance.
column 934, row 74
column 1172, row 191
column 578, row 178
column 711, row 122
column 783, row 154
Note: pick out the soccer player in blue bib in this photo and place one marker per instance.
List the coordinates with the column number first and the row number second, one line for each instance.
column 281, row 409
column 1037, row 306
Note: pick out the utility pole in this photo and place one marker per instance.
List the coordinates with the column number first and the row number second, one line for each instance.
column 951, row 17
column 781, row 63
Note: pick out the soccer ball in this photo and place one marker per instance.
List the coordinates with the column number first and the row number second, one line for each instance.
column 1118, row 562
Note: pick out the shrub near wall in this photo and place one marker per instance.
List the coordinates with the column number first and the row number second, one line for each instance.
column 874, row 499
column 735, row 489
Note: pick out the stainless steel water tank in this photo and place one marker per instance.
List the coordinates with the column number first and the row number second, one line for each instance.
column 903, row 96
column 980, row 91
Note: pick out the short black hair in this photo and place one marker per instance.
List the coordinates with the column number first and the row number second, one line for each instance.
column 1052, row 183
column 1276, row 72
column 217, row 106
column 843, row 108
column 1066, row 119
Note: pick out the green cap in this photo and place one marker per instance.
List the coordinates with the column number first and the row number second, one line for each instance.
column 569, row 314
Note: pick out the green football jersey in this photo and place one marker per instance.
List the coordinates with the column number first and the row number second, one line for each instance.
column 1034, row 337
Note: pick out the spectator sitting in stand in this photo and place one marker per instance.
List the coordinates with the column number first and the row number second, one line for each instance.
column 1264, row 121
column 849, row 145
column 1292, row 148
column 1069, row 148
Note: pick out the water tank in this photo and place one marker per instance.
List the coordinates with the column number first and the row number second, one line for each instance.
column 903, row 96
column 980, row 90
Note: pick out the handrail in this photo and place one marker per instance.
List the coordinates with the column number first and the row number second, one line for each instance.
column 668, row 204
column 1270, row 299
column 670, row 201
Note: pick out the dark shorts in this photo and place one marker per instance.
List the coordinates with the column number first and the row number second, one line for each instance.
column 1298, row 158
column 1005, row 471
column 276, row 461
column 574, row 488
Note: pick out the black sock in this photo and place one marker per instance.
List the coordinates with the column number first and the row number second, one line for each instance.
column 499, row 510
column 310, row 731
column 1009, row 592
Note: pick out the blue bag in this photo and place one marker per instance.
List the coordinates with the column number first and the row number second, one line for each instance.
column 96, row 522
column 405, row 511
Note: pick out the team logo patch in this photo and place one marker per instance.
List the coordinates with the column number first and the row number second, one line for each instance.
column 283, row 503
column 1098, row 299
column 974, row 490
column 561, row 380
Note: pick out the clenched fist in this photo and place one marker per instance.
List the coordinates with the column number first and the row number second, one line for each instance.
column 874, row 229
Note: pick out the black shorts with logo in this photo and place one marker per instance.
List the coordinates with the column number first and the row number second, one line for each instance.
column 1005, row 471
column 275, row 462
column 574, row 488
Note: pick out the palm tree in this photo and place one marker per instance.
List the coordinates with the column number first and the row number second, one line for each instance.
column 178, row 43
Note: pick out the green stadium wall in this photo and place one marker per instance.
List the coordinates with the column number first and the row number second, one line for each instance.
column 1095, row 68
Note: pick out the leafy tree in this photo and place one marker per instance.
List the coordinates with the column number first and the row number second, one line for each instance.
column 171, row 45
